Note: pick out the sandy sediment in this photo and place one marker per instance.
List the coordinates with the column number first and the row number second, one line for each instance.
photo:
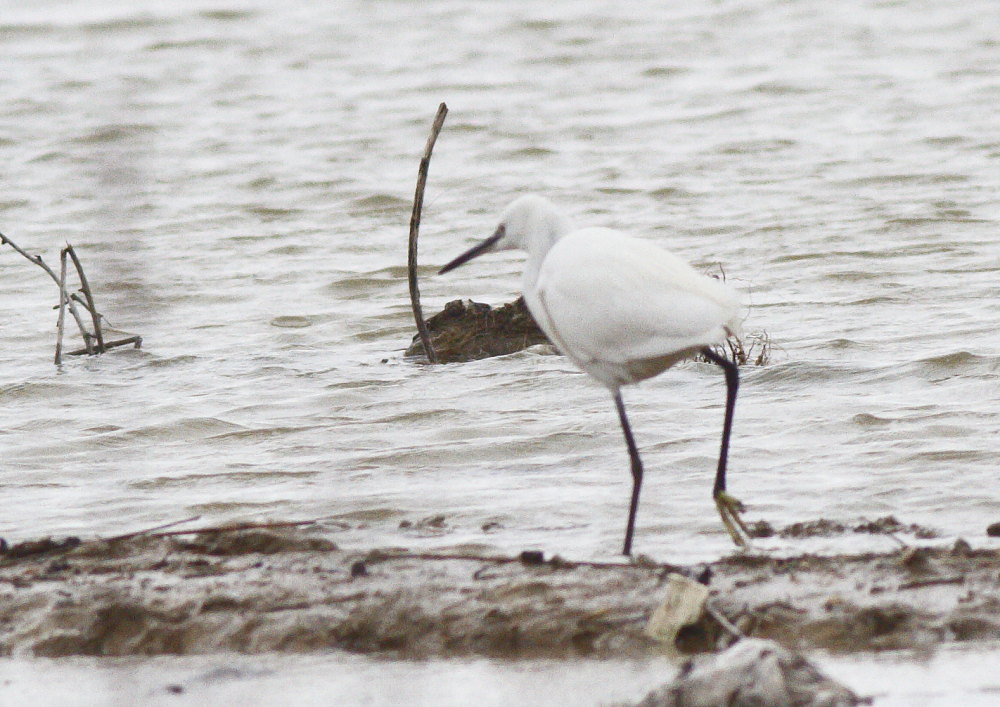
column 293, row 590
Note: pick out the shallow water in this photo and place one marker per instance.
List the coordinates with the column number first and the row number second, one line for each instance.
column 238, row 185
column 955, row 676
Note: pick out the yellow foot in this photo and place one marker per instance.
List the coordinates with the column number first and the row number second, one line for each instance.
column 729, row 510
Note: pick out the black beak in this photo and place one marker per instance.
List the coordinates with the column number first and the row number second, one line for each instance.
column 474, row 251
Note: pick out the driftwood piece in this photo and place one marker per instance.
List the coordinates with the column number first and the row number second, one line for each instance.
column 418, row 203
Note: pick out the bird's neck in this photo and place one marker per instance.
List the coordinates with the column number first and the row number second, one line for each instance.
column 531, row 268
column 543, row 236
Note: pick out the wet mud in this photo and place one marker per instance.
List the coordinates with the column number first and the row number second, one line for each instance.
column 466, row 331
column 752, row 673
column 294, row 590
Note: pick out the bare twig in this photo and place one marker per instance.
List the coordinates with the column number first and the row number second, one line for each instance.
column 37, row 260
column 920, row 583
column 85, row 286
column 418, row 203
column 62, row 306
column 235, row 528
column 147, row 531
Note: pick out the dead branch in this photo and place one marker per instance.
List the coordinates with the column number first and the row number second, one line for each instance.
column 37, row 260
column 70, row 300
column 85, row 286
column 62, row 306
column 418, row 203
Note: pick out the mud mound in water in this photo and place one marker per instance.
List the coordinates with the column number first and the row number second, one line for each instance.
column 293, row 590
column 465, row 331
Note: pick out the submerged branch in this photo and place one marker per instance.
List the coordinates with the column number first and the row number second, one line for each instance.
column 135, row 340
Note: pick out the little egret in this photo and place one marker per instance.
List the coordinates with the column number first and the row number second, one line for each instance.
column 623, row 310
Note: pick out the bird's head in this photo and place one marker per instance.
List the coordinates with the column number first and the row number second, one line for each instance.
column 530, row 223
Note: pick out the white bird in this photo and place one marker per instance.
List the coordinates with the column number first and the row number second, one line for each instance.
column 623, row 310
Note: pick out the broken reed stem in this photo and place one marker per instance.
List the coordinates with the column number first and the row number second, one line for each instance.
column 418, row 204
column 235, row 528
column 146, row 531
column 85, row 286
column 62, row 306
column 506, row 560
column 37, row 260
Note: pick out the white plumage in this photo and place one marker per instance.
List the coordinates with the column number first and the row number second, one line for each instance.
column 622, row 310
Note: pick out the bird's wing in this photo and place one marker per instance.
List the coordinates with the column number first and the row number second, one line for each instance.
column 608, row 297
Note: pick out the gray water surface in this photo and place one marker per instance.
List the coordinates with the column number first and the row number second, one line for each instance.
column 238, row 185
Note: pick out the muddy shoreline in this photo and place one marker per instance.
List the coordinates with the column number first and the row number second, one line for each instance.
column 293, row 590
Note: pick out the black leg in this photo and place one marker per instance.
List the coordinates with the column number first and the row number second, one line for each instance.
column 729, row 507
column 732, row 384
column 633, row 454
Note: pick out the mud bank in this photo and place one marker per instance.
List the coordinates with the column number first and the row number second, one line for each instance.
column 465, row 331
column 292, row 590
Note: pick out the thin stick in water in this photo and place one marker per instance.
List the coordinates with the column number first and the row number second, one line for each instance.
column 62, row 306
column 418, row 203
column 85, row 286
